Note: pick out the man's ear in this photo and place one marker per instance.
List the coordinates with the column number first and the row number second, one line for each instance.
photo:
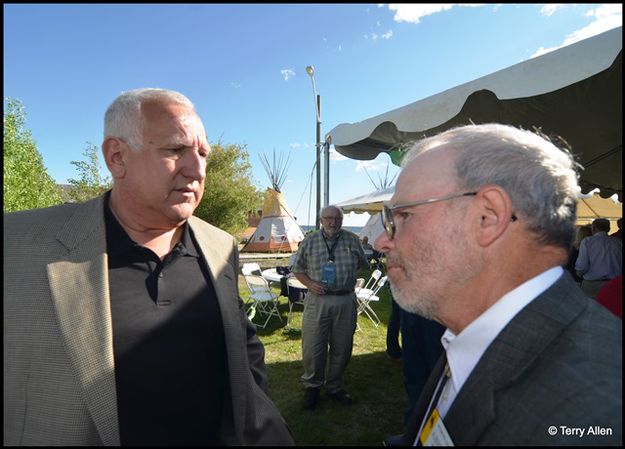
column 496, row 212
column 113, row 151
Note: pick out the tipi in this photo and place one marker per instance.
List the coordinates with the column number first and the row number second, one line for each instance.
column 277, row 230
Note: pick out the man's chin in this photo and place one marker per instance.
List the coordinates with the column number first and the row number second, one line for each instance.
column 407, row 300
column 181, row 212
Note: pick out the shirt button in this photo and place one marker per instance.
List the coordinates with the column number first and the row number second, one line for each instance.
column 160, row 275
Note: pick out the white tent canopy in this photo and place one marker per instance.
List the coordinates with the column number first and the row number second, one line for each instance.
column 574, row 92
column 372, row 229
column 370, row 202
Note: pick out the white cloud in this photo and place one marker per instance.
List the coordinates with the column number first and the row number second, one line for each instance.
column 336, row 156
column 287, row 73
column 295, row 145
column 375, row 36
column 340, row 47
column 369, row 166
column 414, row 13
column 606, row 18
column 604, row 11
column 549, row 9
column 235, row 85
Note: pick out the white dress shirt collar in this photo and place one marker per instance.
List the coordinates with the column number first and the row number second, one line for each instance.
column 465, row 349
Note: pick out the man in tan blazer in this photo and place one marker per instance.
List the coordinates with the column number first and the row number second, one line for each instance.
column 122, row 318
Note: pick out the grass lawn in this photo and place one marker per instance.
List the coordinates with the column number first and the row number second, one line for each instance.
column 375, row 382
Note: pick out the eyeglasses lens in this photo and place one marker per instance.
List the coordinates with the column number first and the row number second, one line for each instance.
column 387, row 221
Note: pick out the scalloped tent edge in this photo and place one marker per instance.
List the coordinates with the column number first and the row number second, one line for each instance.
column 574, row 92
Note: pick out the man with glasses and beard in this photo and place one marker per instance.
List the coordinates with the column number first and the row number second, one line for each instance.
column 327, row 262
column 477, row 231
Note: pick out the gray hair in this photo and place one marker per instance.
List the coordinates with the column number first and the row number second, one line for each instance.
column 539, row 177
column 123, row 118
column 324, row 209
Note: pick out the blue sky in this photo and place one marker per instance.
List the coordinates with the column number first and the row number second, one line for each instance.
column 243, row 65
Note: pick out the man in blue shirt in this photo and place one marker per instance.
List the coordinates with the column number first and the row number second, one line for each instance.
column 600, row 258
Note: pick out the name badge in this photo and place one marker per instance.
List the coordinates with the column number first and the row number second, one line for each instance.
column 434, row 432
column 328, row 273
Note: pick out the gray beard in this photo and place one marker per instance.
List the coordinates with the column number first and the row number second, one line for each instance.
column 414, row 303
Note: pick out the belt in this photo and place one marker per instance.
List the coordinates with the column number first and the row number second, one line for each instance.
column 339, row 292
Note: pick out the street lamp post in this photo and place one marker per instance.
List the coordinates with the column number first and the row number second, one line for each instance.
column 311, row 72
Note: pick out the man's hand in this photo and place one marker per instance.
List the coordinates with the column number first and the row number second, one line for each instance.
column 317, row 288
column 313, row 286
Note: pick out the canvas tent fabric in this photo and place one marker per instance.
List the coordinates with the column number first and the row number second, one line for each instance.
column 277, row 230
column 574, row 92
column 370, row 202
column 373, row 228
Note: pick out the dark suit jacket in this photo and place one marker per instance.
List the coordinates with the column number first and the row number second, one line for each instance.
column 557, row 363
column 59, row 379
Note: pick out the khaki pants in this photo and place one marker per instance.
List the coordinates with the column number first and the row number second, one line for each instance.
column 328, row 326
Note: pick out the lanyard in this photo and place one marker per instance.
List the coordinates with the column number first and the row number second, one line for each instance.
column 434, row 402
column 331, row 250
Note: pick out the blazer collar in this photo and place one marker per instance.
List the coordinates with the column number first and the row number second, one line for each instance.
column 512, row 352
column 510, row 355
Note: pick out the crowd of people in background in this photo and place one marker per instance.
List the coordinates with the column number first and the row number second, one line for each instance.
column 595, row 262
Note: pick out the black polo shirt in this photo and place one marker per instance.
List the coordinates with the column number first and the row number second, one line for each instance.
column 168, row 341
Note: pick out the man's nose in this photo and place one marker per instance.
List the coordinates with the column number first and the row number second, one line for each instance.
column 383, row 243
column 195, row 165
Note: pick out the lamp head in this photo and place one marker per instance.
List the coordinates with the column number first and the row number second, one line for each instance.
column 310, row 70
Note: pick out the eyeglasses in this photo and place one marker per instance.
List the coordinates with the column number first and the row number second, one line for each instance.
column 387, row 211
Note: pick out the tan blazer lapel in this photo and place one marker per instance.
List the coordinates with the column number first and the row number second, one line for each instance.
column 80, row 293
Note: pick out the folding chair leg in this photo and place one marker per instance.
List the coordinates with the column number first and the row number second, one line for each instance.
column 288, row 317
column 372, row 316
column 275, row 311
column 269, row 308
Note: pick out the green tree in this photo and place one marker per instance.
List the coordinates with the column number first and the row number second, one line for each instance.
column 90, row 183
column 229, row 193
column 27, row 184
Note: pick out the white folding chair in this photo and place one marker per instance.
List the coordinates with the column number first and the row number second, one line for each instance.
column 361, row 288
column 293, row 283
column 265, row 302
column 366, row 296
column 371, row 282
column 250, row 268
